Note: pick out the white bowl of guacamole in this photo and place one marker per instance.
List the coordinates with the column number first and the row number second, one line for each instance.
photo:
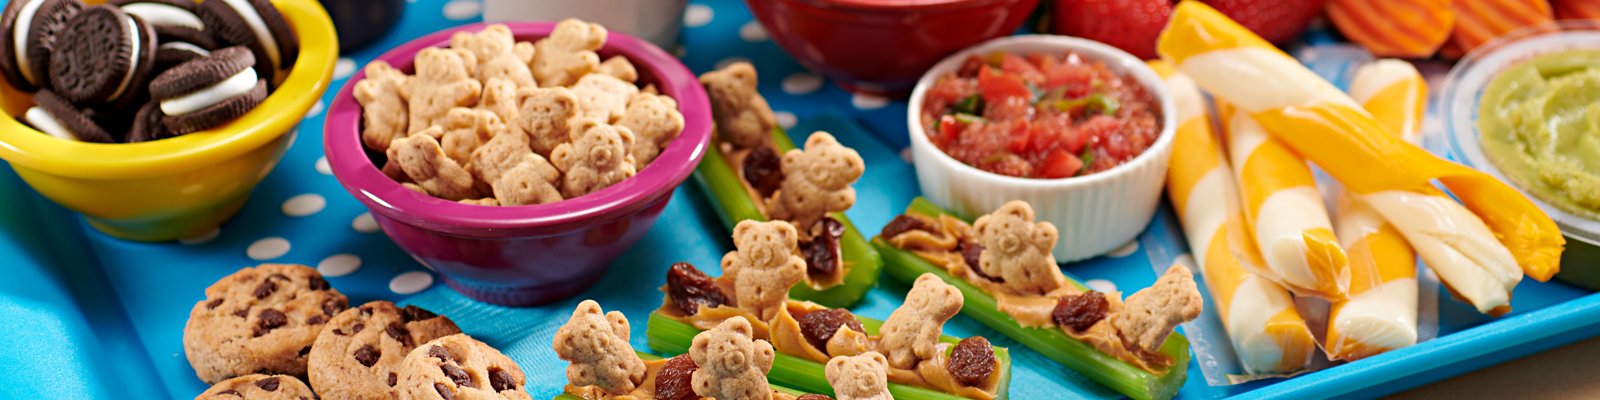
column 1525, row 108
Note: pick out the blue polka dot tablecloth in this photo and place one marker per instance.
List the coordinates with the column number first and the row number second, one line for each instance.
column 83, row 315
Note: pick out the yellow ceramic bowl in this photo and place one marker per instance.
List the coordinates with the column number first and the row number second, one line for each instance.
column 182, row 186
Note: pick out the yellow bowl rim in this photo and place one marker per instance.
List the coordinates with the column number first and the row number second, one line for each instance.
column 280, row 113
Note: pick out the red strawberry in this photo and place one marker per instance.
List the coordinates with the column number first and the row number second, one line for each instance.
column 1130, row 25
column 1277, row 21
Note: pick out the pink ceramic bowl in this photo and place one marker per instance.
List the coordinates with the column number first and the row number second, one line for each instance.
column 523, row 255
column 883, row 46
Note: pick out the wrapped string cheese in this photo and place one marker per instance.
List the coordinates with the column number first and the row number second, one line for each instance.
column 1267, row 333
column 1381, row 314
column 1284, row 211
column 1486, row 238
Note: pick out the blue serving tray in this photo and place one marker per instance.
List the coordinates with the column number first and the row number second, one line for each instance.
column 83, row 315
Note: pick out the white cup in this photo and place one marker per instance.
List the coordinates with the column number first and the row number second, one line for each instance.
column 657, row 21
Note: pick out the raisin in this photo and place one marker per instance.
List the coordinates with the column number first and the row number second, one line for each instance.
column 414, row 313
column 1080, row 312
column 970, row 251
column 822, row 252
column 675, row 381
column 690, row 289
column 214, row 303
column 269, row 384
column 763, row 169
column 813, row 396
column 367, row 355
column 266, row 288
column 316, row 319
column 398, row 333
column 972, row 361
column 905, row 223
column 500, row 380
column 456, row 374
column 317, row 283
column 393, row 379
column 444, row 391
column 819, row 326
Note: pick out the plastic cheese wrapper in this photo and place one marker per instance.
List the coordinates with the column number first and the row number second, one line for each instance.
column 1486, row 238
column 1266, row 332
column 1284, row 211
column 1395, row 94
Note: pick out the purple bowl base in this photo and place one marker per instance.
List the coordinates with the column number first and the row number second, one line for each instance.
column 526, row 296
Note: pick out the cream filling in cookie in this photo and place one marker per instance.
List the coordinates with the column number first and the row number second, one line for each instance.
column 19, row 37
column 133, row 37
column 185, row 46
column 238, row 84
column 253, row 19
column 48, row 124
column 162, row 14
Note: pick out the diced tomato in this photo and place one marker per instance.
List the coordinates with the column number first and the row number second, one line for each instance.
column 1008, row 108
column 949, row 131
column 1074, row 78
column 949, row 91
column 1055, row 131
column 1019, row 137
column 1013, row 64
column 996, row 87
column 1060, row 164
column 1043, row 61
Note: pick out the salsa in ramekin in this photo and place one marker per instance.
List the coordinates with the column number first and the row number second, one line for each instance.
column 1040, row 115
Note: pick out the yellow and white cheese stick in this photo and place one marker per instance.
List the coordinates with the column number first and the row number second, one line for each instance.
column 1395, row 94
column 1455, row 243
column 1267, row 333
column 1329, row 128
column 1381, row 314
column 1284, row 211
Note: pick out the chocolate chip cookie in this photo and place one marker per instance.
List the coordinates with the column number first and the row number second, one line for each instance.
column 259, row 387
column 458, row 366
column 358, row 354
column 259, row 320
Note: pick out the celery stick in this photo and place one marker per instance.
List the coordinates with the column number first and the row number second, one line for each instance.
column 726, row 192
column 673, row 337
column 1082, row 357
column 650, row 357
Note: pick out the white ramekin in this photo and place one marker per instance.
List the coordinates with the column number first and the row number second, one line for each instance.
column 1095, row 213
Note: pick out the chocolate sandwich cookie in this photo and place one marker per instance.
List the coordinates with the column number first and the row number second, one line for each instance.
column 147, row 124
column 210, row 91
column 175, row 21
column 255, row 24
column 56, row 117
column 28, row 31
column 103, row 57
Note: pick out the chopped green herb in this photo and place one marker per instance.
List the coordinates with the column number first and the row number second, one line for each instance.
column 1038, row 93
column 971, row 105
column 1108, row 104
column 1088, row 158
column 968, row 118
column 995, row 157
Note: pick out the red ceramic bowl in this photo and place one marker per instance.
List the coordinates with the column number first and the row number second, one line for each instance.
column 523, row 255
column 883, row 46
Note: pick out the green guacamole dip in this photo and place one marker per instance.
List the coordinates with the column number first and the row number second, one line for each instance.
column 1540, row 124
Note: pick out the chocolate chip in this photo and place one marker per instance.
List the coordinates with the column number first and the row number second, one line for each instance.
column 317, row 283
column 229, row 392
column 367, row 355
column 339, row 332
column 269, row 319
column 266, row 288
column 354, row 329
column 398, row 333
column 414, row 313
column 500, row 380
column 316, row 319
column 269, row 384
column 440, row 353
column 242, row 313
column 332, row 307
column 444, row 391
column 366, row 311
column 214, row 303
column 305, row 350
column 456, row 374
column 393, row 379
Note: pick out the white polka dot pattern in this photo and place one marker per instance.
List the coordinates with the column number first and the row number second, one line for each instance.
column 462, row 9
column 802, row 83
column 753, row 32
column 411, row 282
column 339, row 265
column 364, row 223
column 343, row 68
column 303, row 205
column 267, row 248
column 697, row 15
column 201, row 238
column 1125, row 250
column 1101, row 285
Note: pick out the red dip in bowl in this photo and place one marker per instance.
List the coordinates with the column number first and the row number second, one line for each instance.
column 1040, row 116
